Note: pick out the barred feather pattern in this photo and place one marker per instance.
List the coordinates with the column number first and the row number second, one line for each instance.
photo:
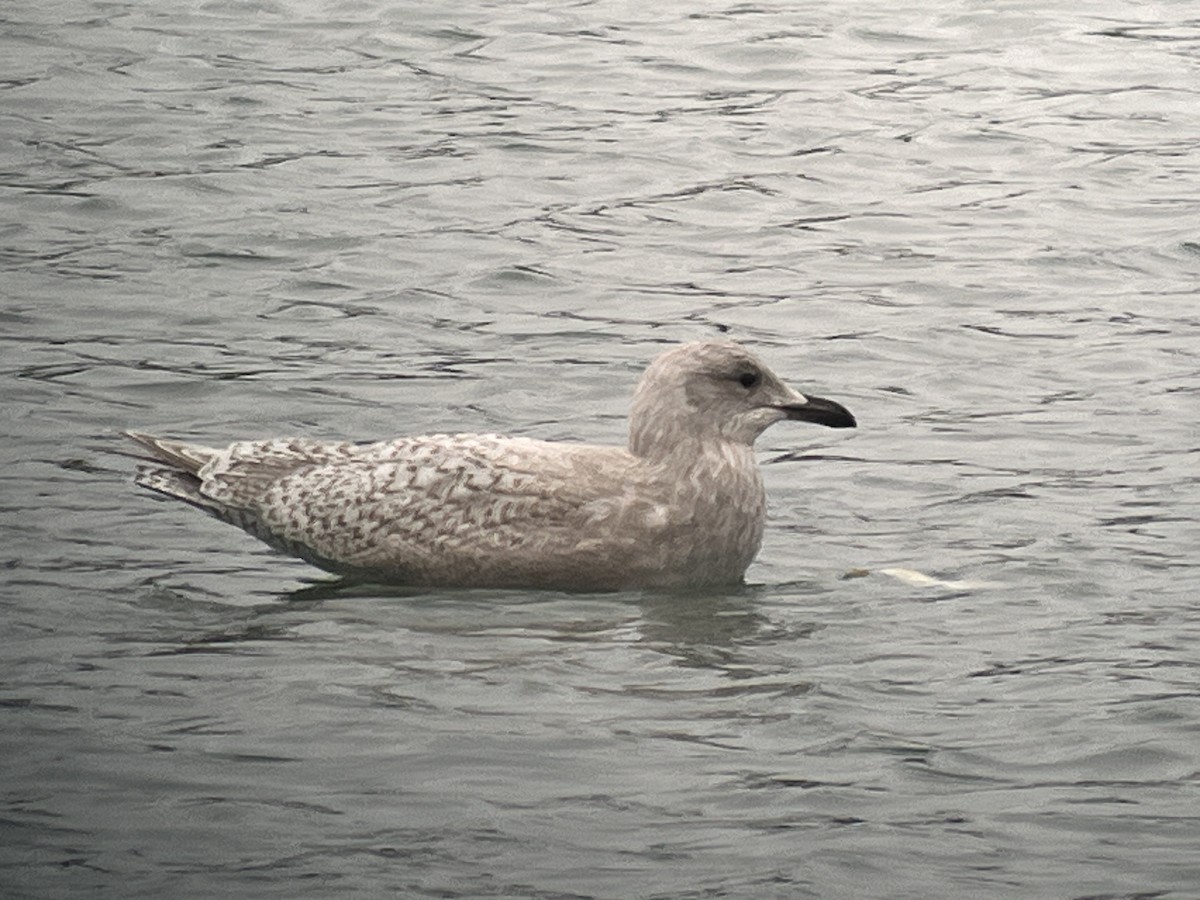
column 683, row 506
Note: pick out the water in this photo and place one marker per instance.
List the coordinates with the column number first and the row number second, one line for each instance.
column 973, row 223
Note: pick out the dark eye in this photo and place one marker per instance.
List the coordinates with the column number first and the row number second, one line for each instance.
column 748, row 380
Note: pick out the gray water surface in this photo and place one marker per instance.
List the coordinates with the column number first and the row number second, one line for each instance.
column 975, row 224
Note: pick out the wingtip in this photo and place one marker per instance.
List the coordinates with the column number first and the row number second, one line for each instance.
column 177, row 454
column 141, row 438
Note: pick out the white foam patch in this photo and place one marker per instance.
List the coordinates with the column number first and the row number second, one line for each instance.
column 920, row 579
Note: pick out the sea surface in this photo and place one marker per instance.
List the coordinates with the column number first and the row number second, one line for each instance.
column 967, row 661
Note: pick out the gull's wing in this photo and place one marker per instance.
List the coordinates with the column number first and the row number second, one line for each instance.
column 438, row 509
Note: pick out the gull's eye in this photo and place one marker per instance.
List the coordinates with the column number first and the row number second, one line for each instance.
column 749, row 380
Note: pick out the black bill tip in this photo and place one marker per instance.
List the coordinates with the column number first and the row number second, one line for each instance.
column 821, row 412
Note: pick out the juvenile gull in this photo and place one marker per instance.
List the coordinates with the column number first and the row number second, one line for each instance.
column 682, row 506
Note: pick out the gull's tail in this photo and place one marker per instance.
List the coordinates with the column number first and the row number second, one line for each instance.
column 178, row 478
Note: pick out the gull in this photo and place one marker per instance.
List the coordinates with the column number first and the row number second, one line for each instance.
column 681, row 506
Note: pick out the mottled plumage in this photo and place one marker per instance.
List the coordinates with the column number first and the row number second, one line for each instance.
column 682, row 506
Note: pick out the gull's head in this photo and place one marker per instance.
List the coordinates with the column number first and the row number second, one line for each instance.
column 717, row 391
